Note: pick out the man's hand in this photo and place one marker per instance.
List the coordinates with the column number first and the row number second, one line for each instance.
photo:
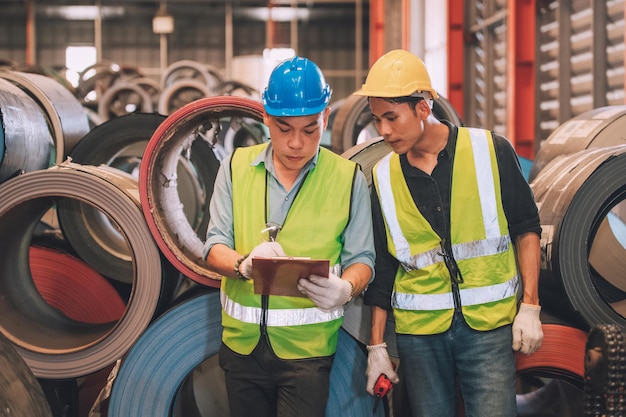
column 264, row 250
column 527, row 332
column 327, row 293
column 378, row 363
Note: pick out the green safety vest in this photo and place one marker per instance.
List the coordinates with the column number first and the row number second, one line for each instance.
column 295, row 326
column 422, row 298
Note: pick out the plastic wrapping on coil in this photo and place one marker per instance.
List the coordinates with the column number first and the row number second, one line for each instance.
column 575, row 194
column 27, row 142
column 52, row 344
column 64, row 112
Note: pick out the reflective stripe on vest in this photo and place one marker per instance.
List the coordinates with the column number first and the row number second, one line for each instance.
column 489, row 240
column 284, row 317
column 469, row 297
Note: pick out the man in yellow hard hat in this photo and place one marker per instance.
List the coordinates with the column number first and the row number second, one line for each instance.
column 456, row 230
column 287, row 198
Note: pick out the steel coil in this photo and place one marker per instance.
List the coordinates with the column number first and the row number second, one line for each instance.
column 124, row 98
column 159, row 362
column 574, row 194
column 154, row 369
column 180, row 94
column 597, row 128
column 53, row 345
column 20, row 393
column 561, row 355
column 185, row 69
column 27, row 141
column 158, row 178
column 67, row 118
column 120, row 143
column 73, row 287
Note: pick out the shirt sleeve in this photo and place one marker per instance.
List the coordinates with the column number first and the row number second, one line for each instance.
column 380, row 289
column 517, row 196
column 358, row 239
column 220, row 228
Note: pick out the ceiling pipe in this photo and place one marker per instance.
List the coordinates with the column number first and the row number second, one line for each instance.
column 31, row 33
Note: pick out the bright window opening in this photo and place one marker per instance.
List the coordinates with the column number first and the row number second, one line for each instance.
column 77, row 58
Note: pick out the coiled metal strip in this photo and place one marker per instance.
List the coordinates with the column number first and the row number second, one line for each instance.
column 561, row 355
column 20, row 393
column 53, row 345
column 158, row 179
column 67, row 118
column 27, row 139
column 574, row 193
column 73, row 287
column 597, row 128
column 158, row 364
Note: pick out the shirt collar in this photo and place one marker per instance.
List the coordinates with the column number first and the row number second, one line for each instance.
column 265, row 157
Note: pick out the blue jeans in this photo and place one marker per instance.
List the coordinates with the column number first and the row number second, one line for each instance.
column 482, row 363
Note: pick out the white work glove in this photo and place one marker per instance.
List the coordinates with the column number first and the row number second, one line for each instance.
column 264, row 250
column 378, row 363
column 527, row 332
column 327, row 293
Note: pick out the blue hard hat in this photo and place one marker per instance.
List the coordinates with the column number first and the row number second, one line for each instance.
column 296, row 88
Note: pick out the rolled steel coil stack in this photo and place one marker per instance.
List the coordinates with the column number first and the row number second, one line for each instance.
column 122, row 224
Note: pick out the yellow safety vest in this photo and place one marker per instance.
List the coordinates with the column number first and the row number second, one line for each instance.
column 295, row 326
column 422, row 297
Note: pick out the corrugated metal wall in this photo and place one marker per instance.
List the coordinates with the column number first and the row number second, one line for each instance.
column 580, row 61
column 486, row 66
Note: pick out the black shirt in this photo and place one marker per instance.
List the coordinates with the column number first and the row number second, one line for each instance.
column 431, row 194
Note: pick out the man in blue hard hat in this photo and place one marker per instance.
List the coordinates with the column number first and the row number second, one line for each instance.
column 287, row 198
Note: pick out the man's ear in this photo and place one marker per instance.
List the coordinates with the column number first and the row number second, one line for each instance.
column 424, row 108
column 266, row 119
column 326, row 116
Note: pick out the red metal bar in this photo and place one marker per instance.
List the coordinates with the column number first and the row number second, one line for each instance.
column 377, row 30
column 522, row 61
column 456, row 54
column 406, row 23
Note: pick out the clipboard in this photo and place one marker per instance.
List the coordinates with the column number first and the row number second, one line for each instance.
column 279, row 275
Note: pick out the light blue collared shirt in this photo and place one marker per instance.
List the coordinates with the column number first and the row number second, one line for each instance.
column 357, row 238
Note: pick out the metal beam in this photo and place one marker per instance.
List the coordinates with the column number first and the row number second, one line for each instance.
column 456, row 54
column 522, row 61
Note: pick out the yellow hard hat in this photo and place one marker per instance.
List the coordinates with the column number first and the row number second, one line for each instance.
column 397, row 73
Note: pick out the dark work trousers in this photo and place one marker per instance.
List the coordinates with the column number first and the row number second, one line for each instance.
column 263, row 385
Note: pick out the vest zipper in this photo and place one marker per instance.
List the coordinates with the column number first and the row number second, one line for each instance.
column 265, row 300
column 456, row 296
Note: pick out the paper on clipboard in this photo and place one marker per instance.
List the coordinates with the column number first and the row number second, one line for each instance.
column 279, row 275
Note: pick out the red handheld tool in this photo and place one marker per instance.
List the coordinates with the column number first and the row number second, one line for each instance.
column 381, row 388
